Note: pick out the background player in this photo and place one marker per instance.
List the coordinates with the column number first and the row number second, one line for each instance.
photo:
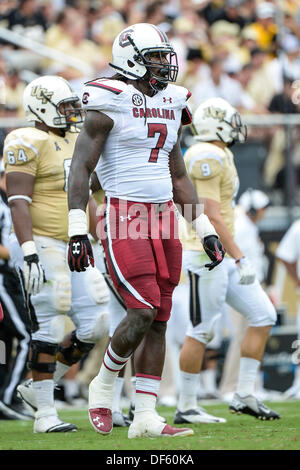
column 250, row 210
column 288, row 252
column 37, row 163
column 15, row 324
column 210, row 165
column 133, row 121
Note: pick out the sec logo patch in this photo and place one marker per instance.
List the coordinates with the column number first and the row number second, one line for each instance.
column 137, row 100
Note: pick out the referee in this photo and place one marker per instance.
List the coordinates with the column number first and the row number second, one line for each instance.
column 15, row 328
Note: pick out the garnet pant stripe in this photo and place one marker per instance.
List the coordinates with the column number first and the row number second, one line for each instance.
column 121, row 279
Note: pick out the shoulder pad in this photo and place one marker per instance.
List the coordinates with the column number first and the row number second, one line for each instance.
column 113, row 86
column 23, row 146
column 181, row 94
column 29, row 138
column 203, row 164
column 102, row 94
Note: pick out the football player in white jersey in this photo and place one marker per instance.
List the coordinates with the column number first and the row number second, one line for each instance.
column 133, row 121
column 288, row 252
column 210, row 165
column 117, row 311
column 37, row 161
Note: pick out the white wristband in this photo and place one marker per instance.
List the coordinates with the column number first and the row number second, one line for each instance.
column 77, row 222
column 19, row 196
column 29, row 248
column 203, row 227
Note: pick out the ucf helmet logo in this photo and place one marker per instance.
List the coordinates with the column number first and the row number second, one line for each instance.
column 215, row 113
column 123, row 38
column 41, row 94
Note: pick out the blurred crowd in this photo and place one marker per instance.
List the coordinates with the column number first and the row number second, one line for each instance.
column 245, row 51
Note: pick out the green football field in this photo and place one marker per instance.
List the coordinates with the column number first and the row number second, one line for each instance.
column 241, row 432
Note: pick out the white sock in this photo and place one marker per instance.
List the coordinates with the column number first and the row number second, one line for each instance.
column 147, row 388
column 71, row 388
column 44, row 392
column 133, row 387
column 60, row 371
column 209, row 380
column 188, row 387
column 247, row 376
column 296, row 380
column 144, row 405
column 117, row 394
column 111, row 366
column 259, row 382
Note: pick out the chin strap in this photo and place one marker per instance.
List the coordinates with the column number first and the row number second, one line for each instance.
column 157, row 85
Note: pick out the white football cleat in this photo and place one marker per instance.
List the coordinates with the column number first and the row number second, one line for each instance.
column 119, row 419
column 150, row 426
column 252, row 406
column 196, row 415
column 47, row 421
column 26, row 392
column 16, row 410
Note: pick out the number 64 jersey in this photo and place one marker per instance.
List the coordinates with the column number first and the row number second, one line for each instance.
column 47, row 157
column 134, row 164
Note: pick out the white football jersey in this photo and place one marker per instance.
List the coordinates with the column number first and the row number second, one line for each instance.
column 134, row 164
column 289, row 248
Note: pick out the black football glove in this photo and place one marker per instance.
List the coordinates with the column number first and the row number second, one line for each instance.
column 80, row 253
column 214, row 249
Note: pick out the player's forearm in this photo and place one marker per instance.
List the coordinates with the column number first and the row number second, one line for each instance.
column 93, row 218
column 78, row 186
column 185, row 196
column 21, row 218
column 226, row 237
column 184, row 192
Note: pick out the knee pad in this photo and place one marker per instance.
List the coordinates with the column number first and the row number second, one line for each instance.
column 268, row 318
column 92, row 326
column 38, row 347
column 57, row 328
column 62, row 296
column 204, row 331
column 101, row 326
column 73, row 353
column 96, row 286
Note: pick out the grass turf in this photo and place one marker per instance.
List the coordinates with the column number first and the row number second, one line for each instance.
column 241, row 432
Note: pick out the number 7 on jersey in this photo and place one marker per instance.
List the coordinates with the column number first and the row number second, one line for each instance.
column 154, row 129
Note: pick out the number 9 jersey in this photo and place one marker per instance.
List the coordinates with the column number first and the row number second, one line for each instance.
column 214, row 175
column 47, row 157
column 134, row 164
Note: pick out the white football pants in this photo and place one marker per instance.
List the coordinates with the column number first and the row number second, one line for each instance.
column 65, row 292
column 211, row 289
